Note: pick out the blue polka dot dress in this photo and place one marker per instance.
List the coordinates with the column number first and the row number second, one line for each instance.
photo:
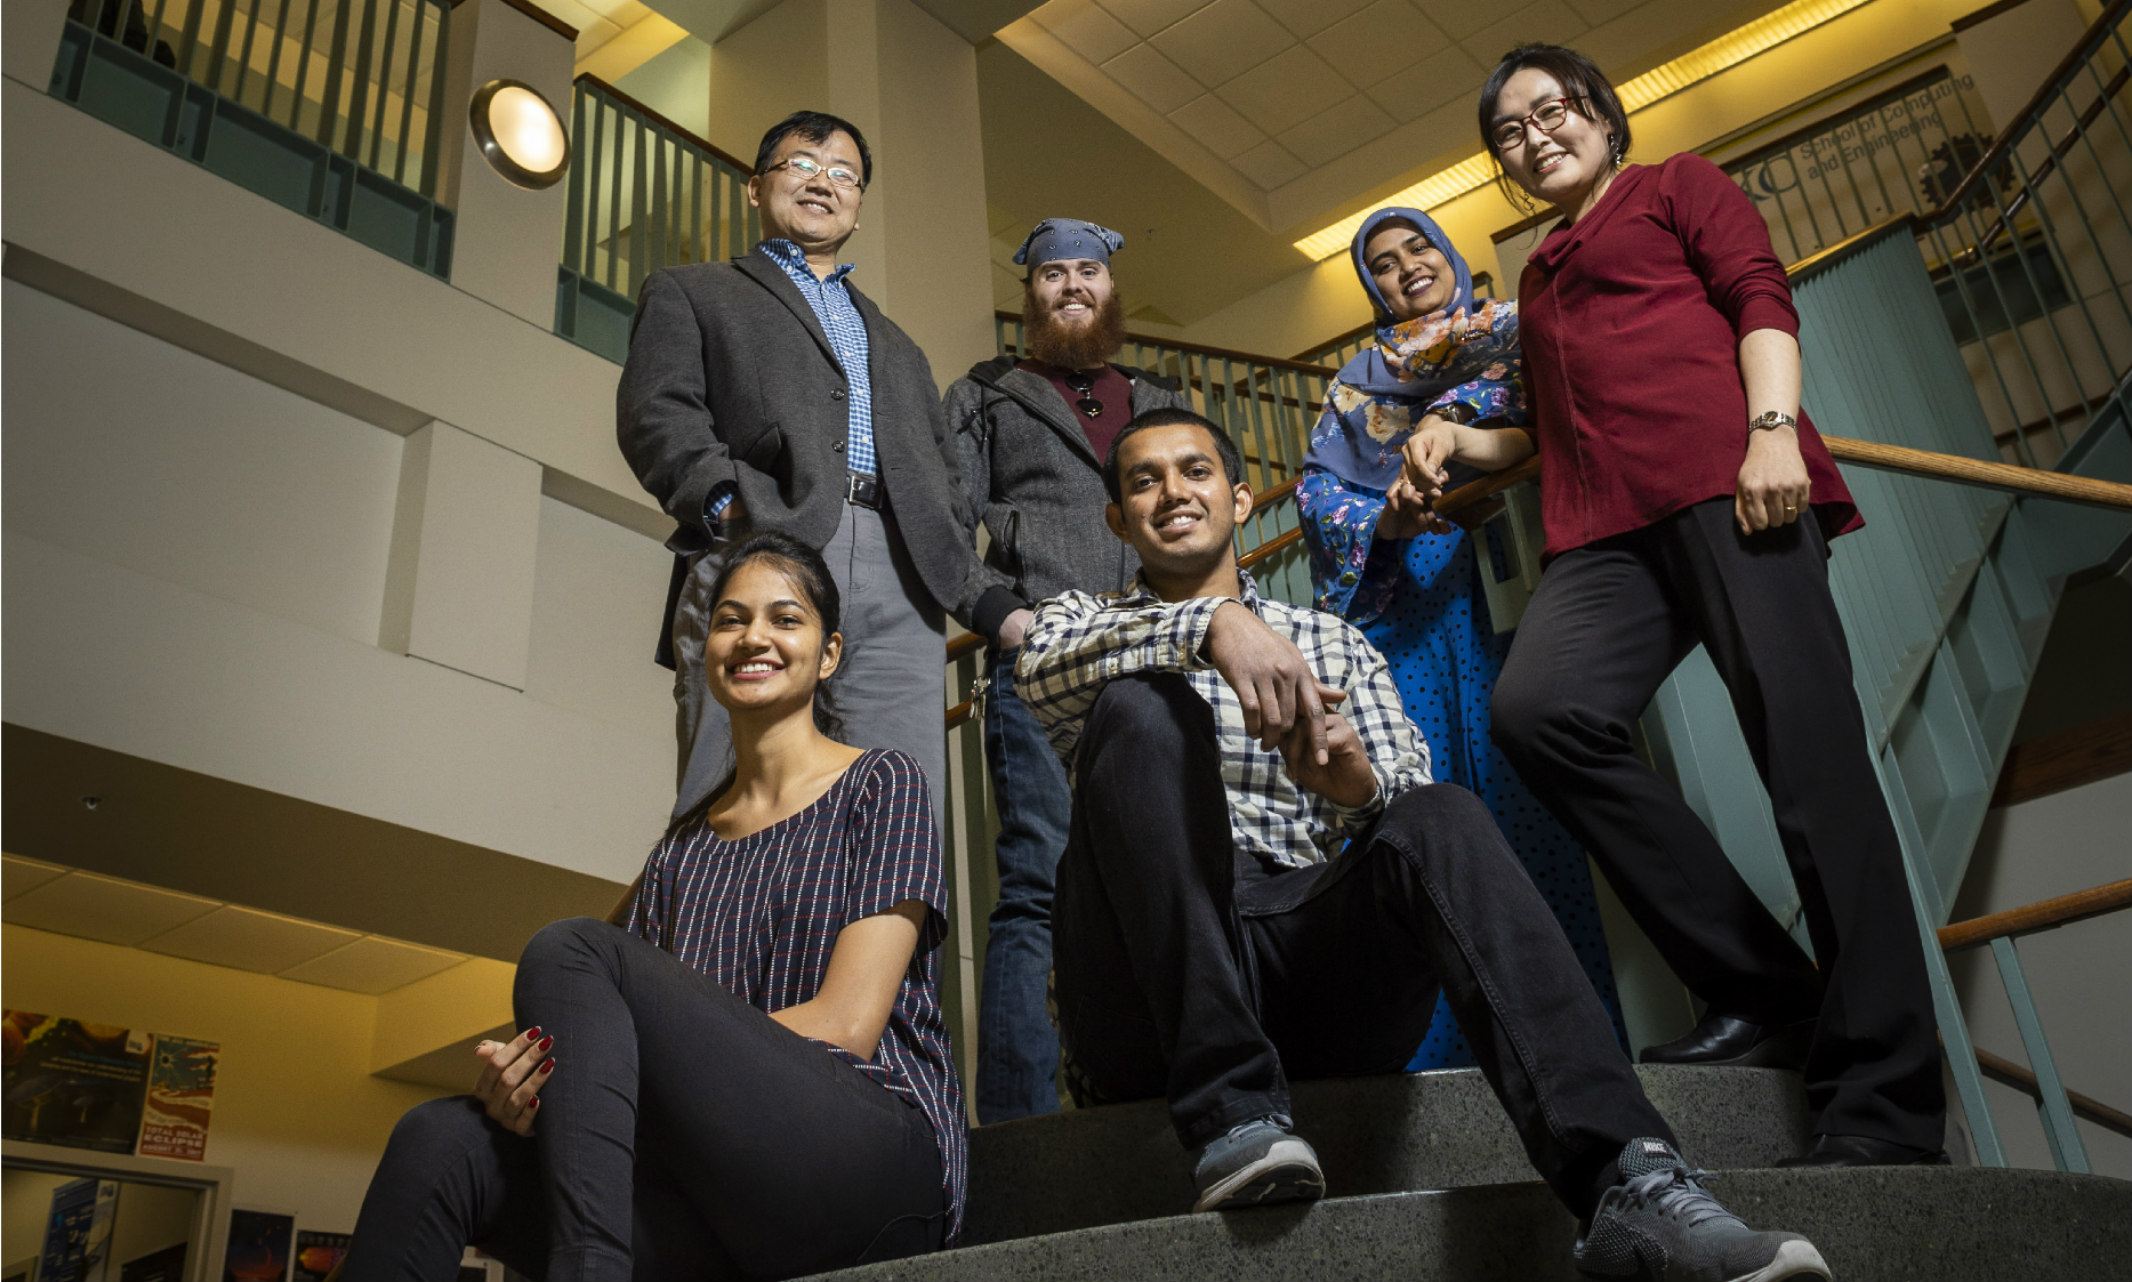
column 1419, row 602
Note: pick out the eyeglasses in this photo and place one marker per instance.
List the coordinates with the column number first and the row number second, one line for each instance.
column 805, row 168
column 1085, row 384
column 1548, row 116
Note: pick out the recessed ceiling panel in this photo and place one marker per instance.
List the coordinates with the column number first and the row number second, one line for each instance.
column 1152, row 78
column 1222, row 41
column 1087, row 28
column 247, row 939
column 373, row 965
column 1389, row 36
column 25, row 875
column 1146, row 17
column 105, row 908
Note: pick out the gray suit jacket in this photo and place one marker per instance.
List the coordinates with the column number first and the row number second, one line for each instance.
column 731, row 379
column 1026, row 469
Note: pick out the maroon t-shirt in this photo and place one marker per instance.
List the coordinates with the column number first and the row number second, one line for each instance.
column 1112, row 389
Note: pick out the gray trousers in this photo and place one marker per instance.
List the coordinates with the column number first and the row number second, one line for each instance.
column 889, row 692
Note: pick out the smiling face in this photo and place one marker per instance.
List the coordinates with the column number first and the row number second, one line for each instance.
column 1561, row 168
column 811, row 212
column 1413, row 276
column 765, row 651
column 1071, row 291
column 1176, row 505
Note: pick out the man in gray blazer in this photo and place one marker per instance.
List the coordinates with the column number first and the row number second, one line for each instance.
column 1027, row 439
column 768, row 393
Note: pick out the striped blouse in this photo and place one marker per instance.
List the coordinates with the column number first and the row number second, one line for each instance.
column 761, row 914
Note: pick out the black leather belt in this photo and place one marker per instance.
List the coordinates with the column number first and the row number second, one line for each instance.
column 864, row 489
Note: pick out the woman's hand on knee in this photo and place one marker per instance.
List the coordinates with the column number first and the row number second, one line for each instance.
column 512, row 1074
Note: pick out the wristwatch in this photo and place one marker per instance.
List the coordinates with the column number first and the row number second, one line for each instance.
column 1769, row 420
column 1457, row 411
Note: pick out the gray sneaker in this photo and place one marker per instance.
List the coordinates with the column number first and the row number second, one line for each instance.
column 1660, row 1224
column 1257, row 1163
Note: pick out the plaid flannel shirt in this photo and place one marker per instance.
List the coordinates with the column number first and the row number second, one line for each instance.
column 1079, row 642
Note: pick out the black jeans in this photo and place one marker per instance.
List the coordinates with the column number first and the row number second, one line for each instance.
column 684, row 1134
column 1182, row 975
column 1609, row 623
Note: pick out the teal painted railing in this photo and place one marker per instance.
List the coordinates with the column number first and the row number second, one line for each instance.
column 645, row 193
column 335, row 112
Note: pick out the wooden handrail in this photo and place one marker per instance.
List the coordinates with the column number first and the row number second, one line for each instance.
column 2064, row 760
column 1970, row 471
column 2048, row 914
column 2007, row 1073
column 686, row 135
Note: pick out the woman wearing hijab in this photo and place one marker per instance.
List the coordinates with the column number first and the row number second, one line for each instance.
column 1443, row 364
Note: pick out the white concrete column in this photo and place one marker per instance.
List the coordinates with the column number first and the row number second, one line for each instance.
column 506, row 241
column 29, row 40
column 459, row 582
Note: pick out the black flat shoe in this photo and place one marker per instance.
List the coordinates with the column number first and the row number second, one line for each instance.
column 1738, row 1043
column 1861, row 1150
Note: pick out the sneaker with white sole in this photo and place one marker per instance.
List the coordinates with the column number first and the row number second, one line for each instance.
column 1258, row 1163
column 1661, row 1225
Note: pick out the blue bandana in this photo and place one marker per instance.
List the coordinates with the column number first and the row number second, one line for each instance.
column 1056, row 238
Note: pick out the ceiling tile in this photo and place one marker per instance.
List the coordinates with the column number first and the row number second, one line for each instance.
column 93, row 907
column 250, row 940
column 1330, row 135
column 1086, row 29
column 1449, row 73
column 1150, row 16
column 1223, row 40
column 1309, row 17
column 1286, row 91
column 1216, row 125
column 1461, row 18
column 1598, row 11
column 1269, row 165
column 24, row 875
column 1549, row 20
column 1157, row 81
column 373, row 965
column 1389, row 36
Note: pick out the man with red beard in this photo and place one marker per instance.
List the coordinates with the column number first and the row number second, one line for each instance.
column 1026, row 443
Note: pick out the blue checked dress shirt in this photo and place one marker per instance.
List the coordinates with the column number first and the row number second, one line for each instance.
column 846, row 330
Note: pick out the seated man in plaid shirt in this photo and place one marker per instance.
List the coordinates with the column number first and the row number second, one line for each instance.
column 1261, row 884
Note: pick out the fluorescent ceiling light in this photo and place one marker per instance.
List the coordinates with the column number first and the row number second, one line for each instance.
column 1722, row 54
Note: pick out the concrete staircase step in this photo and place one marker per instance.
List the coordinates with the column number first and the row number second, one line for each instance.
column 1393, row 1134
column 1948, row 1224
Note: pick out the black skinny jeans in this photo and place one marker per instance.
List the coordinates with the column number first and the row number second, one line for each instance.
column 1610, row 621
column 1180, row 978
column 684, row 1134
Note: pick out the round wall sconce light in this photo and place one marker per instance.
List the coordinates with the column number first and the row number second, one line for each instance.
column 520, row 134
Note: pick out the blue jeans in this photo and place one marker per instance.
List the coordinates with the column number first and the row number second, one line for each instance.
column 1017, row 1048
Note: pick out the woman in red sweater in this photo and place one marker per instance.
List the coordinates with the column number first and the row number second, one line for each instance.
column 1689, row 500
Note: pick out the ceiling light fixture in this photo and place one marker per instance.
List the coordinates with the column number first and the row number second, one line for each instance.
column 520, row 133
column 1722, row 54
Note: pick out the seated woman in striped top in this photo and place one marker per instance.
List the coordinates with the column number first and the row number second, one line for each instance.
column 753, row 1077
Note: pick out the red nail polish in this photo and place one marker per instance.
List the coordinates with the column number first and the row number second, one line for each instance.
column 548, row 1067
column 545, row 1043
column 533, row 1033
column 535, row 1105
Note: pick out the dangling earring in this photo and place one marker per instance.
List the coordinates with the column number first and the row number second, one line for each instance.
column 1620, row 153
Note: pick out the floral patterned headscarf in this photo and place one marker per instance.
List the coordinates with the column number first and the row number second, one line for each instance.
column 1466, row 352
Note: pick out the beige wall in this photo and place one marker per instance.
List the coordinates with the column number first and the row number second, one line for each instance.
column 297, row 1113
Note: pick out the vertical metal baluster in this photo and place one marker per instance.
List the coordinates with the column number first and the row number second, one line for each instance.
column 244, row 56
column 1873, row 167
column 329, row 107
column 155, row 25
column 593, row 203
column 1835, row 204
column 2052, row 1106
column 392, row 39
column 1790, row 233
column 2006, row 310
column 2019, row 247
column 225, row 16
column 407, row 96
column 2100, row 169
column 303, row 66
column 273, row 71
column 359, row 95
column 574, row 211
column 189, row 37
column 699, row 240
column 2065, row 265
column 656, row 247
column 1976, row 326
column 622, row 127
column 433, row 127
column 638, row 202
